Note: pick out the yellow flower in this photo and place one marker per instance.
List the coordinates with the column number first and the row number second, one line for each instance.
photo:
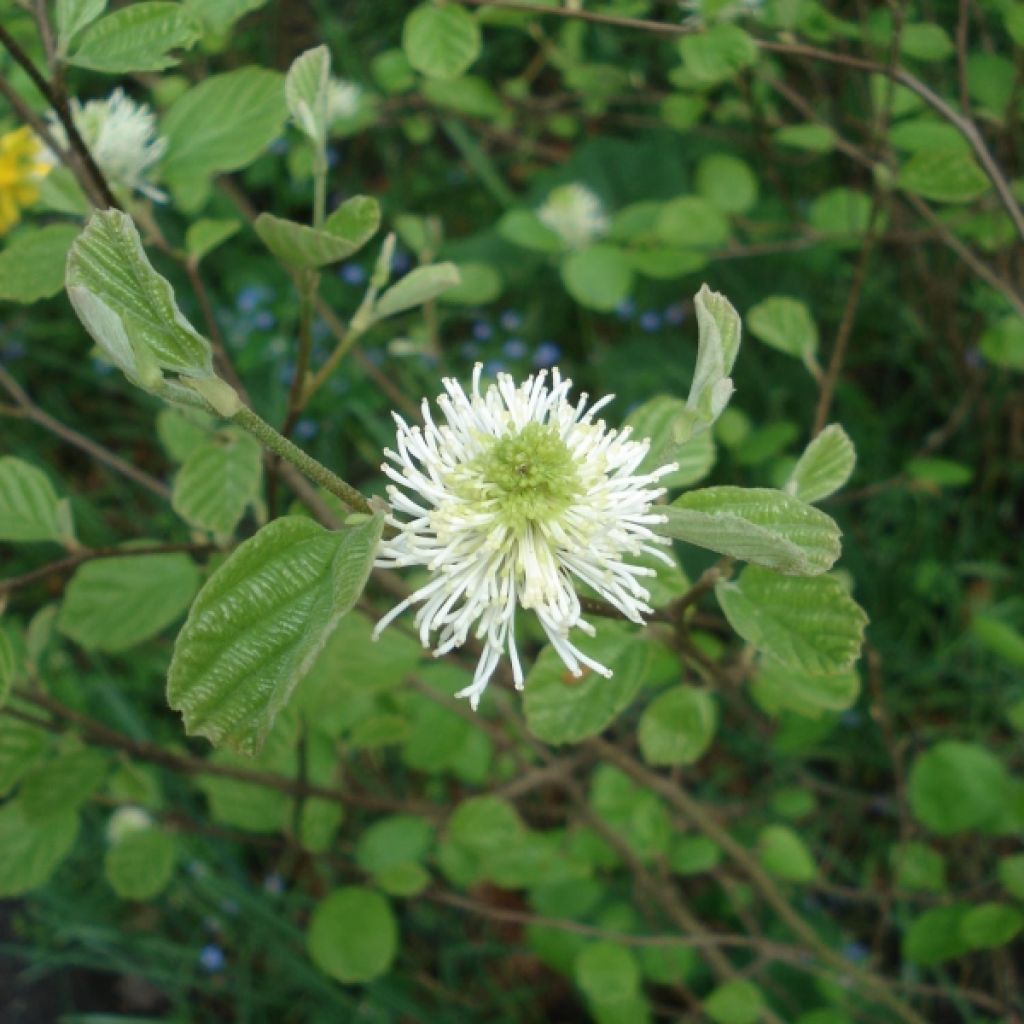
column 21, row 166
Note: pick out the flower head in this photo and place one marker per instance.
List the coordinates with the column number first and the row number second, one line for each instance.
column 22, row 167
column 122, row 137
column 343, row 100
column 575, row 214
column 518, row 496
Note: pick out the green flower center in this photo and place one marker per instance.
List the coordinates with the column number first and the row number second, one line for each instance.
column 532, row 474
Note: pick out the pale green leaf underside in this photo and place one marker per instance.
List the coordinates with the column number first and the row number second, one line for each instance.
column 755, row 524
column 811, row 624
column 419, row 286
column 259, row 623
column 345, row 232
column 824, row 467
column 140, row 865
column 217, row 482
column 29, row 507
column 112, row 604
column 305, row 91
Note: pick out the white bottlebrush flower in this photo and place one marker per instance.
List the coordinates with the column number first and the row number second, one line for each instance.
column 575, row 214
column 343, row 99
column 510, row 502
column 122, row 137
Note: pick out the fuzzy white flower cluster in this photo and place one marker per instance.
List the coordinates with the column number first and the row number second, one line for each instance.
column 343, row 99
column 575, row 214
column 122, row 137
column 518, row 495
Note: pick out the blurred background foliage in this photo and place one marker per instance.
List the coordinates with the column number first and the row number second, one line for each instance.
column 803, row 174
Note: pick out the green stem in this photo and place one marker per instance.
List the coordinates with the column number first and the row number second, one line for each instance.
column 316, row 471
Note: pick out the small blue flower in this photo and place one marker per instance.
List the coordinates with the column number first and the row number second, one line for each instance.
column 279, row 146
column 401, row 262
column 306, row 429
column 650, row 320
column 274, row 884
column 850, row 719
column 12, row 351
column 625, row 309
column 212, row 959
column 101, row 367
column 855, row 952
column 511, row 320
column 675, row 314
column 375, row 356
column 333, row 157
column 252, row 296
column 264, row 320
column 285, row 372
column 493, row 367
column 468, row 350
column 547, row 354
column 514, row 348
column 482, row 330
column 353, row 274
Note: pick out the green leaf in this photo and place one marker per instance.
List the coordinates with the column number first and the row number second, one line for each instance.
column 925, row 41
column 218, row 481
column 479, row 284
column 203, row 236
column 181, row 431
column 1003, row 343
column 73, row 16
column 29, row 507
column 219, row 15
column 727, row 182
column 470, row 95
column 956, row 786
column 598, row 277
column 717, row 54
column 783, row 853
column 941, row 472
column 809, row 623
column 417, row 287
column 735, row 1002
column 441, row 40
column 353, row 935
column 811, row 137
column 21, row 746
column 1011, row 874
column 693, row 855
column 114, row 604
column 394, row 841
column 259, row 623
column 563, row 709
column 8, row 666
column 945, row 175
column 305, row 92
column 62, row 784
column 32, row 849
column 999, row 637
column 136, row 38
column 129, row 309
column 780, row 687
column 692, row 222
column 664, row 262
column 677, row 727
column 917, row 866
column 525, row 229
column 140, row 865
column 991, row 925
column 784, row 324
column 607, row 972
column 755, row 524
column 824, row 467
column 662, row 419
column 32, row 264
column 344, row 232
column 935, row 936
column 636, row 813
column 222, row 124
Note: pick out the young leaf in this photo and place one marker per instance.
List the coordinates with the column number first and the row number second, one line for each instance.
column 129, row 309
column 785, row 324
column 755, row 524
column 203, row 236
column 718, row 53
column 785, row 855
column 419, row 286
column 29, row 507
column 956, row 786
column 347, row 230
column 218, row 16
column 62, row 784
column 217, row 482
column 305, row 91
column 441, row 40
column 562, row 709
column 692, row 222
column 662, row 419
column 113, row 604
column 32, row 265
column 32, row 850
column 525, row 229
column 353, row 935
column 824, row 467
column 136, row 38
column 677, row 726
column 607, row 972
column 260, row 622
column 140, row 865
column 598, row 277
column 808, row 623
column 222, row 124
column 735, row 1002
column 945, row 175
